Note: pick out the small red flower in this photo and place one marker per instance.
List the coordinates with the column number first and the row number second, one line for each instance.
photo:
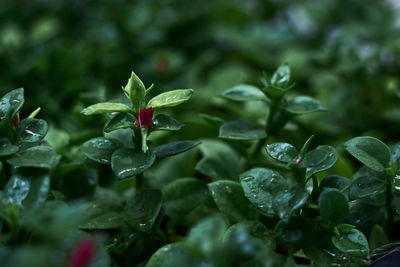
column 16, row 120
column 82, row 253
column 161, row 66
column 145, row 117
column 298, row 161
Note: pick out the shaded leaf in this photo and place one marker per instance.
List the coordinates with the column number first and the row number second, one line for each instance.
column 174, row 148
column 120, row 121
column 166, row 122
column 333, row 206
column 100, row 149
column 37, row 157
column 241, row 130
column 230, row 200
column 370, row 151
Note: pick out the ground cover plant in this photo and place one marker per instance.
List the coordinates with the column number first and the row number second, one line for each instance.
column 269, row 137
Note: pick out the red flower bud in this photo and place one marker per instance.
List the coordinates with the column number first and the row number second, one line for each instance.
column 144, row 119
column 298, row 161
column 16, row 120
column 82, row 253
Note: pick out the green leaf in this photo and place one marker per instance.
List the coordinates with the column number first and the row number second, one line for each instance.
column 260, row 187
column 135, row 91
column 288, row 201
column 170, row 99
column 244, row 92
column 36, row 157
column 334, row 181
column 364, row 214
column 207, row 234
column 10, row 104
column 303, row 105
column 31, row 130
column 165, row 122
column 351, row 241
column 319, row 159
column 183, row 195
column 230, row 200
column 173, row 255
column 28, row 188
column 366, row 186
column 241, row 130
column 370, row 151
column 255, row 229
column 102, row 214
column 106, row 107
column 129, row 162
column 174, row 148
column 281, row 77
column 220, row 161
column 283, row 152
column 333, row 206
column 142, row 210
column 6, row 148
column 378, row 237
column 120, row 121
column 100, row 149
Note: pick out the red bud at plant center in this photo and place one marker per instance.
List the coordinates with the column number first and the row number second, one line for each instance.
column 298, row 161
column 16, row 120
column 83, row 252
column 145, row 117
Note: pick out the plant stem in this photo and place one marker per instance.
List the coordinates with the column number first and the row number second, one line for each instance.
column 139, row 181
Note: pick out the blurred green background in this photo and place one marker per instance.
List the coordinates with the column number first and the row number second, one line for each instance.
column 68, row 54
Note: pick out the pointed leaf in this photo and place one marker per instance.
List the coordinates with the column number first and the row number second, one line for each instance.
column 105, row 107
column 135, row 91
column 129, row 162
column 100, row 149
column 166, row 122
column 241, row 130
column 281, row 77
column 303, row 105
column 31, row 130
column 244, row 92
column 173, row 255
column 170, row 99
column 174, row 148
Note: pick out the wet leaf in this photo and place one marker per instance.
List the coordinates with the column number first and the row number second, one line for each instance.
column 283, row 152
column 100, row 149
column 173, row 148
column 31, row 130
column 244, row 92
column 333, row 206
column 303, row 105
column 166, row 122
column 105, row 107
column 170, row 99
column 37, row 157
column 129, row 162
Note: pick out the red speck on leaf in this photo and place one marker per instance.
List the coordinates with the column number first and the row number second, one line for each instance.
column 82, row 253
column 145, row 117
column 16, row 120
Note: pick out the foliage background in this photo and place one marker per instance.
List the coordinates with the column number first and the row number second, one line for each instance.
column 69, row 54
